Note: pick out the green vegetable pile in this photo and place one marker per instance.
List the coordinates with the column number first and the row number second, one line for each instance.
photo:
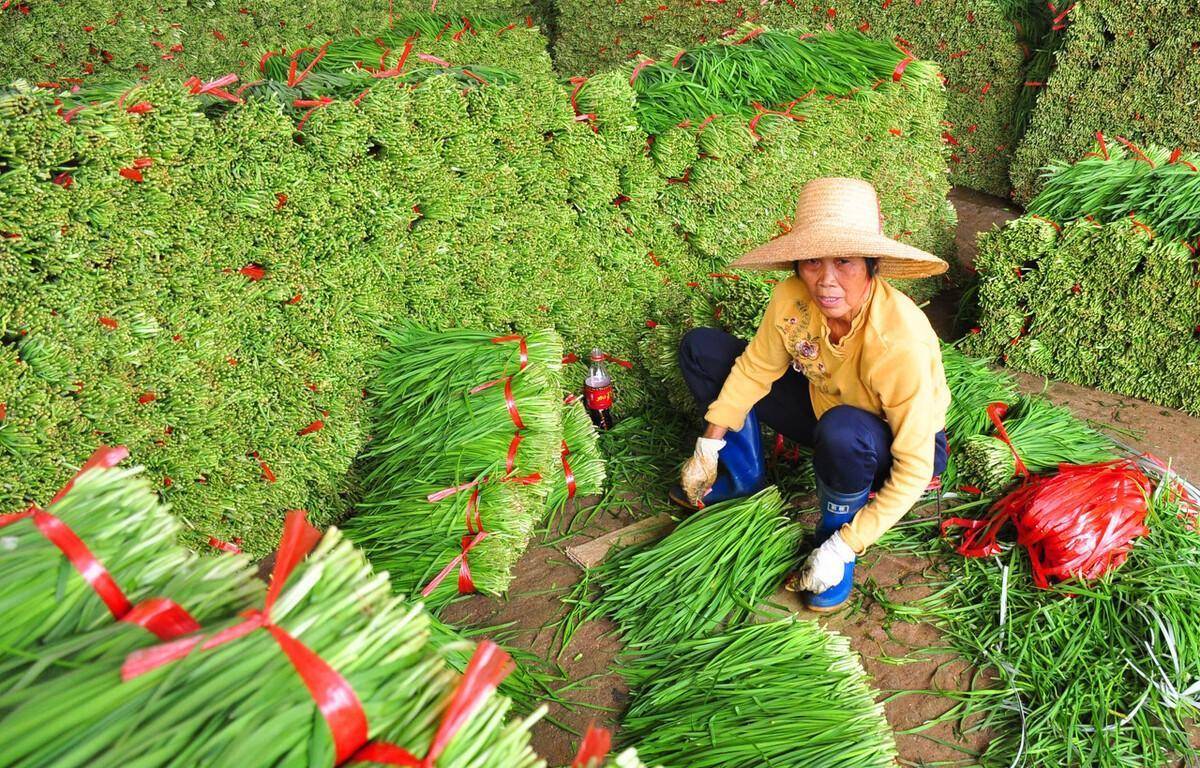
column 1124, row 69
column 974, row 44
column 783, row 693
column 1043, row 435
column 204, row 283
column 105, row 40
column 712, row 570
column 1096, row 285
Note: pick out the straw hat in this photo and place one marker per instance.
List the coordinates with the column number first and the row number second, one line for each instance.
column 839, row 217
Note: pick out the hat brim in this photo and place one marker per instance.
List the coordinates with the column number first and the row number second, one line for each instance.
column 896, row 259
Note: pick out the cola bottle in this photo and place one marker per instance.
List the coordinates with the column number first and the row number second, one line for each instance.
column 598, row 392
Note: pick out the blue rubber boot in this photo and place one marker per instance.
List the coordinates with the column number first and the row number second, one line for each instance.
column 837, row 509
column 740, row 467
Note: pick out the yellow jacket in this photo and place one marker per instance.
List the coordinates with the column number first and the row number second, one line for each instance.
column 890, row 364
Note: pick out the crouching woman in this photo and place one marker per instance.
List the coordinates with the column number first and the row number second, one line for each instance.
column 843, row 363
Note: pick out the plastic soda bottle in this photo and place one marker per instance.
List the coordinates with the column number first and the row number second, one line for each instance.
column 598, row 392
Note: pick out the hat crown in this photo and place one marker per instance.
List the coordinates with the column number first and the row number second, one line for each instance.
column 839, row 203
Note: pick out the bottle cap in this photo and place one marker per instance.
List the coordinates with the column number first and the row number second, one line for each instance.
column 597, row 355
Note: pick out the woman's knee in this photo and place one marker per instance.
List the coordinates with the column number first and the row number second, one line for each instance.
column 846, row 446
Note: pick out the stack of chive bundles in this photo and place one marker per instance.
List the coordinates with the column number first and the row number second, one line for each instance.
column 52, row 620
column 242, row 702
column 468, row 437
column 1042, row 434
column 1096, row 284
column 784, row 693
column 1100, row 674
column 715, row 568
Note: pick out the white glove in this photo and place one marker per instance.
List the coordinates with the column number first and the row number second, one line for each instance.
column 700, row 471
column 826, row 565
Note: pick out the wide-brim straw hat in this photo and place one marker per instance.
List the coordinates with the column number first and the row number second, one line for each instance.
column 839, row 217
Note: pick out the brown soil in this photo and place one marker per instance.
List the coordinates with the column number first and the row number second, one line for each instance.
column 897, row 657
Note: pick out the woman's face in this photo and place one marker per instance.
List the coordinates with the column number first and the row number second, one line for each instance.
column 837, row 285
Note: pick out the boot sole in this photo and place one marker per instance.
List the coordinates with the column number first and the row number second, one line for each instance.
column 826, row 608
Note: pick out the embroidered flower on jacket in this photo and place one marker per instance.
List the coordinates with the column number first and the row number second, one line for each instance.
column 806, row 349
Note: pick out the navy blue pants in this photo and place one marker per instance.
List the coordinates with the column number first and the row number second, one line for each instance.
column 852, row 448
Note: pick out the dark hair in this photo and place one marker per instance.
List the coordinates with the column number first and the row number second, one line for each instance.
column 872, row 266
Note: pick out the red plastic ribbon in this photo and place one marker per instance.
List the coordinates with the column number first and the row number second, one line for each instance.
column 163, row 617
column 487, row 668
column 637, row 69
column 570, row 475
column 475, row 535
column 1077, row 524
column 596, row 744
column 509, row 401
column 524, row 346
column 214, row 88
column 618, row 361
column 510, row 460
column 233, row 547
column 996, row 412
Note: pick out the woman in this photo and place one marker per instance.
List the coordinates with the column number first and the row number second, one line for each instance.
column 843, row 363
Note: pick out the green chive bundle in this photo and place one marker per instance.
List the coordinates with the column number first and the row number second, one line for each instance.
column 771, row 68
column 659, row 348
column 1152, row 182
column 580, row 452
column 783, row 693
column 438, row 466
column 51, row 614
column 1044, row 435
column 242, row 703
column 715, row 568
column 1096, row 675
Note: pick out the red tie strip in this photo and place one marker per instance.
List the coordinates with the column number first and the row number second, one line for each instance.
column 1103, row 153
column 295, row 79
column 637, row 69
column 312, row 105
column 594, row 748
column 233, row 547
column 509, row 401
column 523, row 346
column 588, row 117
column 618, row 361
column 570, row 475
column 214, row 88
column 475, row 535
column 763, row 111
column 902, row 65
column 996, row 412
column 158, row 615
column 335, row 699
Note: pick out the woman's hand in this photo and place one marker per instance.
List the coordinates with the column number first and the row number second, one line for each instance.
column 825, row 567
column 700, row 471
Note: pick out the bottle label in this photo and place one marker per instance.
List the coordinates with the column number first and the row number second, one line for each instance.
column 598, row 398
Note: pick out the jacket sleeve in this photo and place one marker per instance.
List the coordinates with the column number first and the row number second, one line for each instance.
column 904, row 381
column 764, row 360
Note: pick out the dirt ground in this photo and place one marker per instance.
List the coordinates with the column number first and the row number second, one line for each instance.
column 896, row 658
